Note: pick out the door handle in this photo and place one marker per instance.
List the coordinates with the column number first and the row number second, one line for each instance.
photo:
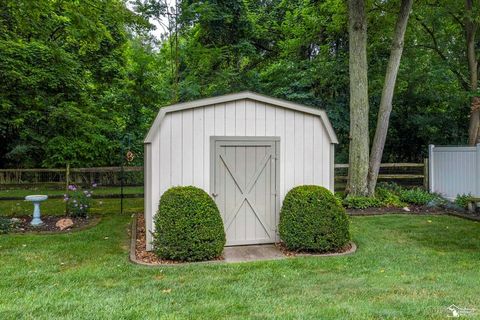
column 214, row 194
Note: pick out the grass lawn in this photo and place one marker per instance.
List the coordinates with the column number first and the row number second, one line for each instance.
column 57, row 207
column 405, row 267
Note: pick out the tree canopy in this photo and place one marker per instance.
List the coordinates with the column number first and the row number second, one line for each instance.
column 77, row 76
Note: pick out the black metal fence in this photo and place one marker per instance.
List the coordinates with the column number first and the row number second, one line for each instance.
column 59, row 178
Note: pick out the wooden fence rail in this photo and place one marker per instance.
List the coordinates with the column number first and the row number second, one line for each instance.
column 408, row 174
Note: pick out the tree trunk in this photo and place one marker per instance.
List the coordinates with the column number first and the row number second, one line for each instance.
column 387, row 95
column 358, row 67
column 470, row 32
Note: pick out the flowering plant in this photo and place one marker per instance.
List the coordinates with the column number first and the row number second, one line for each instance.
column 78, row 201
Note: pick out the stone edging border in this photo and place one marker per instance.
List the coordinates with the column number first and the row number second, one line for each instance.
column 353, row 249
column 94, row 221
column 133, row 258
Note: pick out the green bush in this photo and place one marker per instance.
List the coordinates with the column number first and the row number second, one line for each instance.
column 78, row 201
column 462, row 200
column 313, row 219
column 383, row 198
column 390, row 186
column 388, row 198
column 359, row 202
column 188, row 226
column 5, row 225
column 417, row 196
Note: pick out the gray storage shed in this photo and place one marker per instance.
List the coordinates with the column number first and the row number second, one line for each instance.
column 246, row 150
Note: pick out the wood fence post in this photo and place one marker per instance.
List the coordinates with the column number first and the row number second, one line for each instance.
column 425, row 173
column 67, row 183
column 67, row 176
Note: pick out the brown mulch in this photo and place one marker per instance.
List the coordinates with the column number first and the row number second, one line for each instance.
column 281, row 246
column 22, row 224
column 141, row 253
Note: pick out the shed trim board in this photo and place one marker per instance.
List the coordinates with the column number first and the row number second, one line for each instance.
column 239, row 96
column 179, row 152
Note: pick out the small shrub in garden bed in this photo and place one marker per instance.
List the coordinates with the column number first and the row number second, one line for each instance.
column 383, row 198
column 5, row 225
column 462, row 200
column 313, row 219
column 418, row 196
column 388, row 198
column 78, row 201
column 393, row 195
column 188, row 226
column 359, row 202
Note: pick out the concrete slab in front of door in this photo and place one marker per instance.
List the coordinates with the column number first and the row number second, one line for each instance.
column 252, row 253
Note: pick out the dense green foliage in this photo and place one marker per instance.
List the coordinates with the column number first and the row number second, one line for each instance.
column 394, row 195
column 77, row 76
column 188, row 226
column 418, row 196
column 462, row 200
column 312, row 219
column 5, row 225
column 66, row 85
column 361, row 202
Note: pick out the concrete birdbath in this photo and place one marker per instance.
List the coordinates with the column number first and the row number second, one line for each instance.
column 36, row 199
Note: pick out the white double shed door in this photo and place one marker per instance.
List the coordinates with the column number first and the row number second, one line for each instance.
column 244, row 183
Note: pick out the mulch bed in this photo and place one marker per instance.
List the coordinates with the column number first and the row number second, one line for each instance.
column 22, row 225
column 349, row 248
column 141, row 253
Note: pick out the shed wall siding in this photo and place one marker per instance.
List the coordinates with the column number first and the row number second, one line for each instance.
column 182, row 147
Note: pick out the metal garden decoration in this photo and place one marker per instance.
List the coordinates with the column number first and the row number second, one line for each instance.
column 126, row 155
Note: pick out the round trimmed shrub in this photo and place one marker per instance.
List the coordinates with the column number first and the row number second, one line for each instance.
column 188, row 226
column 313, row 219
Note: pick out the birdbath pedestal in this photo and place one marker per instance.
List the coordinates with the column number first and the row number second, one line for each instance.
column 36, row 199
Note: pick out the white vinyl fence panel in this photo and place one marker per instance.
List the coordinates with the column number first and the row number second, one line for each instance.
column 454, row 170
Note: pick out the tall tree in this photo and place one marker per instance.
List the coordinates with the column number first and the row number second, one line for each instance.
column 387, row 94
column 358, row 67
column 445, row 23
column 470, row 33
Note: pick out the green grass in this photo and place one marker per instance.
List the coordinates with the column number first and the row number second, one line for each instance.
column 56, row 207
column 406, row 266
column 47, row 191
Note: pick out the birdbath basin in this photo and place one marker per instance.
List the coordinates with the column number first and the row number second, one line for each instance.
column 36, row 199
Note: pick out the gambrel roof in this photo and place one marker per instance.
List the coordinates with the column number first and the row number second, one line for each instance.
column 240, row 96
